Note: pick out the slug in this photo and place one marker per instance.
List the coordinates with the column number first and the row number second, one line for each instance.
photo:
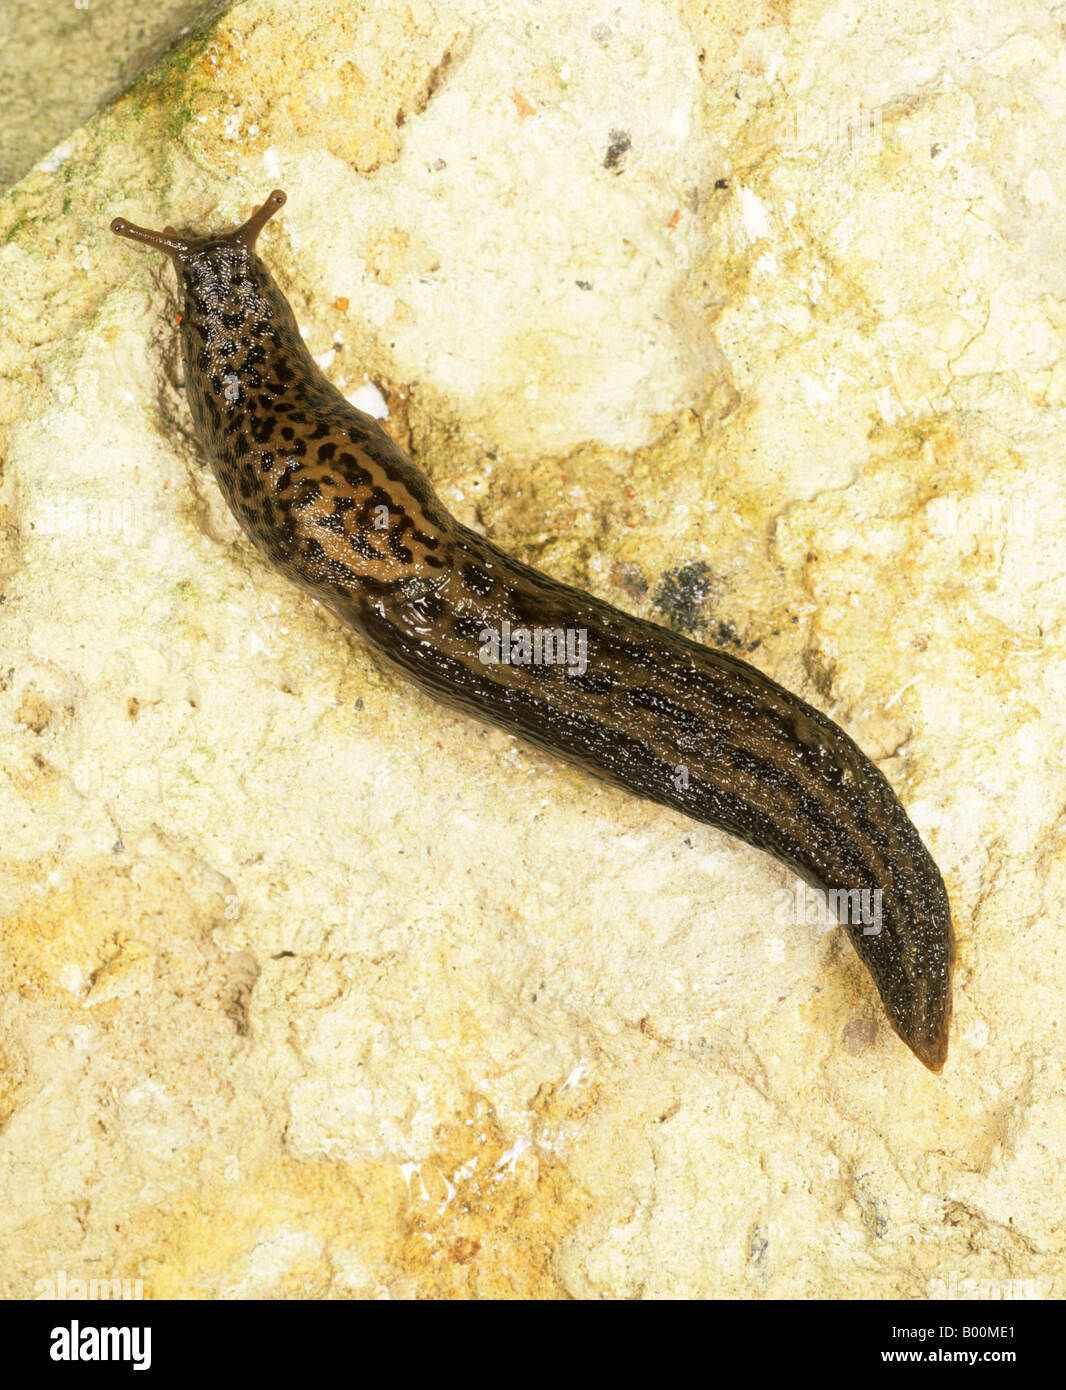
column 337, row 506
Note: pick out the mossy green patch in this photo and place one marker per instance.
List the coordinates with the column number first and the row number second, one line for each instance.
column 167, row 93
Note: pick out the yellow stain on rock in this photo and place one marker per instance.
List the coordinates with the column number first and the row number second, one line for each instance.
column 481, row 1218
column 486, row 1215
column 88, row 934
column 55, row 942
column 289, row 1229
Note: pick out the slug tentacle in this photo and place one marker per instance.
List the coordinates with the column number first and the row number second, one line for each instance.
column 248, row 233
column 177, row 247
column 324, row 492
column 167, row 240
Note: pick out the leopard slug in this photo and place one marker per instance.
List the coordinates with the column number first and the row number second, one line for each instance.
column 331, row 500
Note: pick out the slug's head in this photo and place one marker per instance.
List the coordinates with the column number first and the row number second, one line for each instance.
column 185, row 248
column 209, row 267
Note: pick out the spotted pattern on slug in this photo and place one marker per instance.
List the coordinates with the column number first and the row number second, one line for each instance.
column 331, row 500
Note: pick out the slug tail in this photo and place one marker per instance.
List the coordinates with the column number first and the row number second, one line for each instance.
column 931, row 1050
column 933, row 1055
column 928, row 1038
column 912, row 963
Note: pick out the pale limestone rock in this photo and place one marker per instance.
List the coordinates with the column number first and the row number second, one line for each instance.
column 313, row 988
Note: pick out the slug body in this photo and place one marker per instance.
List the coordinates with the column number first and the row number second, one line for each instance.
column 336, row 505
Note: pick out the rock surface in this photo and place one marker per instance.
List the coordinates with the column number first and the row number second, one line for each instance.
column 59, row 64
column 748, row 324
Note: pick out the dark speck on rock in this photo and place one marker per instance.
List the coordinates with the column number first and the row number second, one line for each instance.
column 682, row 594
column 616, row 150
column 724, row 634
